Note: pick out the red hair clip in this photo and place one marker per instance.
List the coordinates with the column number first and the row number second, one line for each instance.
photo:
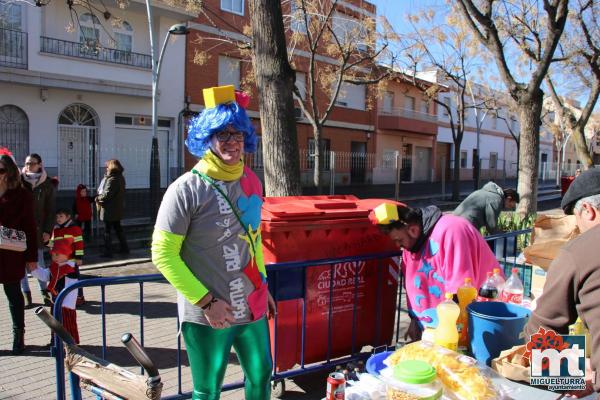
column 242, row 99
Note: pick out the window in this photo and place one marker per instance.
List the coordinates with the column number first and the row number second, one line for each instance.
column 301, row 84
column 494, row 121
column 349, row 30
column 233, row 6
column 389, row 159
column 493, row 160
column 514, row 125
column 409, row 103
column 229, row 71
column 388, row 102
column 124, row 37
column 298, row 24
column 463, row 159
column 10, row 16
column 448, row 103
column 325, row 151
column 89, row 34
column 12, row 42
column 351, row 96
column 424, row 107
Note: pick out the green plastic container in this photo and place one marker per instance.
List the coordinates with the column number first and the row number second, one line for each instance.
column 412, row 377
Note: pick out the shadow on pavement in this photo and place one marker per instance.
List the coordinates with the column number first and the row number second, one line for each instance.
column 152, row 309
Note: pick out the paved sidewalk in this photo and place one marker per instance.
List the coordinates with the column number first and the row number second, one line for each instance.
column 32, row 375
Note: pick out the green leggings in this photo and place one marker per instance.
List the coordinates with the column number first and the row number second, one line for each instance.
column 208, row 351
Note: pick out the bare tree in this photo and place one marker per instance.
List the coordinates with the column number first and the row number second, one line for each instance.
column 275, row 80
column 532, row 31
column 582, row 55
column 447, row 48
column 341, row 50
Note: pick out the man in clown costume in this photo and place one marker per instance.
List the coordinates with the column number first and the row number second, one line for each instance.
column 439, row 252
column 207, row 243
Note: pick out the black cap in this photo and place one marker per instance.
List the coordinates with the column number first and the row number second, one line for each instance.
column 586, row 184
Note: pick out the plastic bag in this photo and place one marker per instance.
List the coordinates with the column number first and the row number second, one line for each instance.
column 459, row 374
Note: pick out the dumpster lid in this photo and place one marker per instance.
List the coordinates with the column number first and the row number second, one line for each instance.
column 311, row 208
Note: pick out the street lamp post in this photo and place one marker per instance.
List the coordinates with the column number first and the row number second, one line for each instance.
column 178, row 29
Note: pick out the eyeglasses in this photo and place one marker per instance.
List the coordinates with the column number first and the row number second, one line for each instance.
column 31, row 163
column 224, row 136
column 2, row 171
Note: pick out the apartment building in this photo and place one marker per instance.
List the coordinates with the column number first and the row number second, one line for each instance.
column 406, row 135
column 75, row 87
column 491, row 127
column 214, row 59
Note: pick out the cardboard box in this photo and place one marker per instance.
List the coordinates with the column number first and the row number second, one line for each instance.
column 538, row 279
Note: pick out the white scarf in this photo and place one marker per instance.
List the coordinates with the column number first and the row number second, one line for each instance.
column 34, row 178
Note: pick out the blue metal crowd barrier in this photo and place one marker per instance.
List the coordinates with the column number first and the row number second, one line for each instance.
column 506, row 253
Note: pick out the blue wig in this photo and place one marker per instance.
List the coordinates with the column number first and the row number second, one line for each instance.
column 216, row 119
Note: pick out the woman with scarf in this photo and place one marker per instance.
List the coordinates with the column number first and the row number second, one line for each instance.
column 111, row 202
column 16, row 205
column 36, row 179
column 207, row 243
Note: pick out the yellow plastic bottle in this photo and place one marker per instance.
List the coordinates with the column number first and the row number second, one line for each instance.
column 467, row 293
column 446, row 334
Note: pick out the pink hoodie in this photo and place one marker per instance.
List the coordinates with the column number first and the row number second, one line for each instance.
column 454, row 251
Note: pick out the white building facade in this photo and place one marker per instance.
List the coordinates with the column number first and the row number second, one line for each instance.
column 76, row 89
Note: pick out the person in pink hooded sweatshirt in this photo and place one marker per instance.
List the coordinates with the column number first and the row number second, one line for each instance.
column 439, row 252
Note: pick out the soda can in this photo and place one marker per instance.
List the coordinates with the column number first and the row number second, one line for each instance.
column 336, row 386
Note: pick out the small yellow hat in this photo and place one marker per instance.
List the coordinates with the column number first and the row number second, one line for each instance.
column 218, row 95
column 386, row 213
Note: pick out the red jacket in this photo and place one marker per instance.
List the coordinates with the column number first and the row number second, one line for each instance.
column 67, row 240
column 83, row 205
column 16, row 212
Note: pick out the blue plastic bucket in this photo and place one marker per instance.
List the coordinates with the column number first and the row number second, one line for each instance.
column 495, row 326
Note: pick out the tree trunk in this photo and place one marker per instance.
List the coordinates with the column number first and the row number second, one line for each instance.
column 530, row 111
column 318, row 160
column 581, row 147
column 275, row 81
column 456, row 172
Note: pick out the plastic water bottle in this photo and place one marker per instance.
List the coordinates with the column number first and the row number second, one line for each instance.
column 500, row 282
column 489, row 291
column 466, row 295
column 446, row 334
column 513, row 289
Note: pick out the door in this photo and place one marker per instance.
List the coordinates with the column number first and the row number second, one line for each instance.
column 422, row 164
column 77, row 156
column 406, row 171
column 358, row 166
column 442, row 162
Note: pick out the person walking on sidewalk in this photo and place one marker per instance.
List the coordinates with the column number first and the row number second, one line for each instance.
column 111, row 202
column 36, row 179
column 16, row 212
column 207, row 243
column 482, row 207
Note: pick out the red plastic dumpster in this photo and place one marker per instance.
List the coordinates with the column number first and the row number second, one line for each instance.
column 565, row 182
column 316, row 227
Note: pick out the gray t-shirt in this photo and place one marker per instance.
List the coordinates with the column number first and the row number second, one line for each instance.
column 212, row 249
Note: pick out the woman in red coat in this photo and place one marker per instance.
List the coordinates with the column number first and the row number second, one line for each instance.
column 16, row 212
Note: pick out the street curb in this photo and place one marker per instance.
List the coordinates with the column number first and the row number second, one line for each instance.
column 113, row 264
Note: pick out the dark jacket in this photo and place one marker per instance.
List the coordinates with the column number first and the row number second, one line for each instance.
column 16, row 212
column 112, row 198
column 572, row 289
column 43, row 205
column 483, row 206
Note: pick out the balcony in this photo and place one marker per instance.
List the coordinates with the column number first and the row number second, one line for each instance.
column 91, row 51
column 13, row 48
column 407, row 120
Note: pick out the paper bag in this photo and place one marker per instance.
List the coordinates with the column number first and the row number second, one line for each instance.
column 549, row 234
column 512, row 365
